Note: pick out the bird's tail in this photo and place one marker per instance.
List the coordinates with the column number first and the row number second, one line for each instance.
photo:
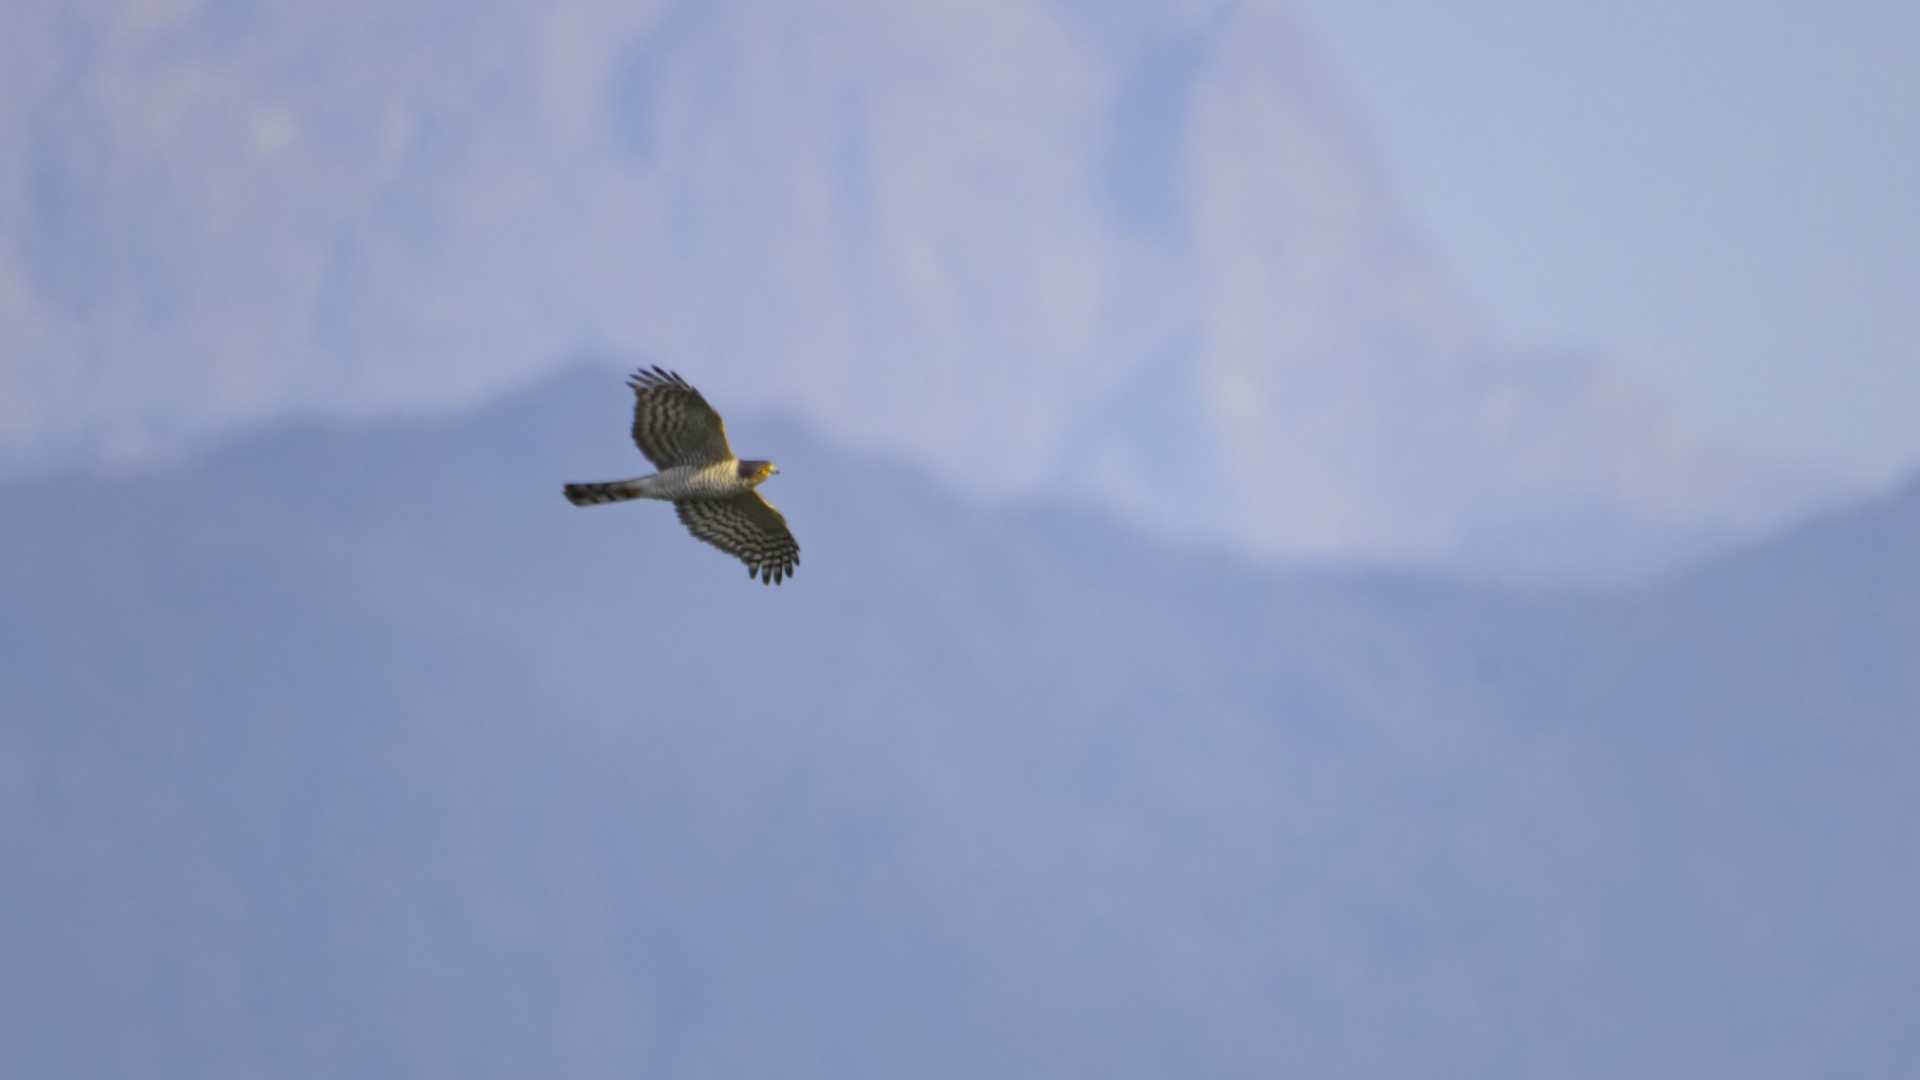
column 612, row 491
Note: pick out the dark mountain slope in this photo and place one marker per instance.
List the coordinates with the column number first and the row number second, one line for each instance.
column 362, row 753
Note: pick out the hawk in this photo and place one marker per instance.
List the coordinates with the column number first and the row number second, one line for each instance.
column 711, row 490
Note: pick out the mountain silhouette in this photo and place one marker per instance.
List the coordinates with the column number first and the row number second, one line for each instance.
column 357, row 751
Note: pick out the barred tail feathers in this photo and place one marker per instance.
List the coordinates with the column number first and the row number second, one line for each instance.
column 612, row 491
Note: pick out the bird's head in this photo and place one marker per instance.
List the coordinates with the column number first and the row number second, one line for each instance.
column 755, row 471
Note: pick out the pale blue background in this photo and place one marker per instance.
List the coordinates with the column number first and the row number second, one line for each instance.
column 1721, row 199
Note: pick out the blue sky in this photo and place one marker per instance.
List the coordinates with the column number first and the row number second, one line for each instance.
column 1719, row 198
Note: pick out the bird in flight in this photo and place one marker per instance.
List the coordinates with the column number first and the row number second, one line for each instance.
column 711, row 490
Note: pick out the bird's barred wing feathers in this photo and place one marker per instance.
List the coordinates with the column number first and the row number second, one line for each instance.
column 746, row 527
column 673, row 424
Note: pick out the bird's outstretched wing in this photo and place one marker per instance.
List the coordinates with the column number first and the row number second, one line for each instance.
column 746, row 527
column 673, row 424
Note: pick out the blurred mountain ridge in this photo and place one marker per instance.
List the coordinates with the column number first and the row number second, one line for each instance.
column 1134, row 254
column 361, row 752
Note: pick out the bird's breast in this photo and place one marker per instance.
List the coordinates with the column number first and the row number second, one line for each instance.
column 698, row 482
